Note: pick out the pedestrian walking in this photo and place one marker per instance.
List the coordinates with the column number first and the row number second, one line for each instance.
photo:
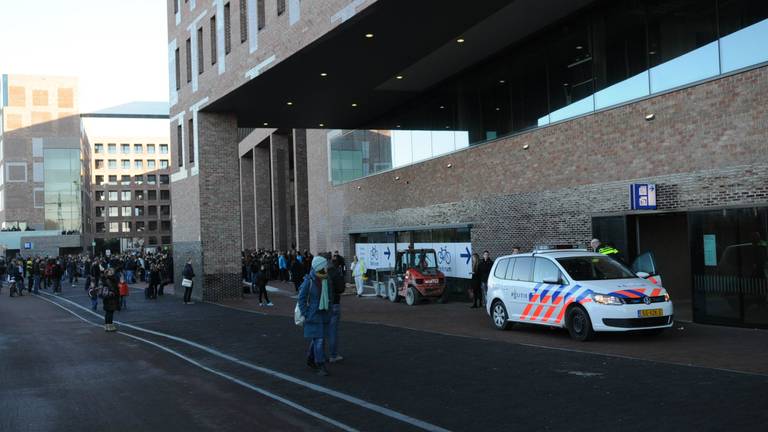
column 187, row 282
column 314, row 303
column 485, row 270
column 110, row 298
column 476, row 282
column 358, row 272
column 297, row 272
column 338, row 285
column 261, row 283
column 93, row 294
column 123, row 289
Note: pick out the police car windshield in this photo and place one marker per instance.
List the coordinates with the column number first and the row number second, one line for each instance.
column 586, row 268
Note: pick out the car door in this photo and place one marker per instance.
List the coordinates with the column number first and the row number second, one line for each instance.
column 646, row 263
column 499, row 286
column 521, row 287
column 550, row 286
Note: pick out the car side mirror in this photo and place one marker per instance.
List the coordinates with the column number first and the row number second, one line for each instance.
column 643, row 275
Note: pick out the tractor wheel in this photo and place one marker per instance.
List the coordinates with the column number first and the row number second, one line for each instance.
column 392, row 292
column 412, row 296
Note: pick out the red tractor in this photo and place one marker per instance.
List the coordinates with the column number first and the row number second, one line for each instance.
column 415, row 277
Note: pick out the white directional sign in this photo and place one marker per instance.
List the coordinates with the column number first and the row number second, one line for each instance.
column 453, row 259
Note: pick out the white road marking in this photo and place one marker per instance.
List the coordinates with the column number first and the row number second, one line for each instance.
column 240, row 382
column 318, row 388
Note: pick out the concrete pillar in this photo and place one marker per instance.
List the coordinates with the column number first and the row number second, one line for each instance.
column 209, row 230
column 281, row 219
column 262, row 185
column 300, row 186
column 248, row 211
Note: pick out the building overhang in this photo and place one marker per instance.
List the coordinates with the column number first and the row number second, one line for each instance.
column 415, row 40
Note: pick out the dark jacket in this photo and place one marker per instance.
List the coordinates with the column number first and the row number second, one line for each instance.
column 336, row 284
column 484, row 268
column 297, row 271
column 188, row 272
column 112, row 298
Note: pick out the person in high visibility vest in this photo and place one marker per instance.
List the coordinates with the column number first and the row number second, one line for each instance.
column 358, row 273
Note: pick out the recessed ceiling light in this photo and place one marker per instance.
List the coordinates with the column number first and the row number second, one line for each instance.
column 397, row 126
column 323, row 74
column 266, row 124
column 579, row 47
column 354, row 104
column 369, row 35
column 652, row 52
column 449, row 165
column 399, row 77
column 322, row 125
column 442, row 106
column 447, row 127
column 289, row 103
column 650, row 117
column 525, row 147
column 502, row 81
column 460, row 40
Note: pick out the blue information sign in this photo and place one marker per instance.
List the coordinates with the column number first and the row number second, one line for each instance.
column 642, row 196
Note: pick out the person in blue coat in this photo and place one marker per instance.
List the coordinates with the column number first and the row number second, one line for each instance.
column 315, row 304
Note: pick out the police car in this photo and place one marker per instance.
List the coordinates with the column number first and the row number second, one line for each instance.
column 585, row 292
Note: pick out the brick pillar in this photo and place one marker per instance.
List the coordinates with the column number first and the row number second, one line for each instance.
column 279, row 159
column 217, row 258
column 301, row 198
column 262, row 185
column 247, row 208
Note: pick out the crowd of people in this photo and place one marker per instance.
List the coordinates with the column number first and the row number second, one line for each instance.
column 104, row 277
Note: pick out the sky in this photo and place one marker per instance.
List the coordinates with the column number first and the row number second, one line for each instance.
column 118, row 48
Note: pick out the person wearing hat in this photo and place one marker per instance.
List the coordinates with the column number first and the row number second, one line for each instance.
column 315, row 305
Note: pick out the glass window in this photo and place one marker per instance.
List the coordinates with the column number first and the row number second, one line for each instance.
column 99, row 163
column 501, row 268
column 138, row 148
column 164, row 179
column 100, row 227
column 152, row 210
column 742, row 22
column 151, row 179
column 125, row 148
column 126, row 227
column 112, row 148
column 98, row 148
column 621, row 53
column 166, row 211
column 139, row 195
column 163, row 148
column 571, row 86
column 140, row 226
column 125, row 180
column 139, row 179
column 588, row 268
column 163, row 164
column 112, row 164
column 114, row 212
column 125, row 195
column 165, row 225
column 138, row 164
column 523, row 269
column 151, row 164
column 99, row 211
column 151, row 148
column 126, row 164
column 114, row 227
column 682, row 43
column 112, row 180
column 100, row 195
column 152, row 195
column 545, row 270
column 152, row 226
column 126, row 211
column 113, row 195
column 99, row 180
column 138, row 211
column 166, row 240
column 152, row 240
column 165, row 195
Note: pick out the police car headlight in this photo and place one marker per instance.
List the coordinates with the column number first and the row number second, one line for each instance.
column 607, row 299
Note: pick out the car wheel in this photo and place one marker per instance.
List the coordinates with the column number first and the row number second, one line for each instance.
column 579, row 324
column 392, row 292
column 412, row 296
column 499, row 316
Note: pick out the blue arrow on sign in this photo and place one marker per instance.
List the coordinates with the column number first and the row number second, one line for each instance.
column 388, row 253
column 467, row 255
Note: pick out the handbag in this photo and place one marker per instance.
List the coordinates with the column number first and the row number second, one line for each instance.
column 298, row 318
column 186, row 283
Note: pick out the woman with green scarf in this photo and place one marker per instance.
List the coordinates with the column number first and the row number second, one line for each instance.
column 315, row 304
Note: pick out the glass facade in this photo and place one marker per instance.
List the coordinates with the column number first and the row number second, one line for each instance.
column 729, row 258
column 609, row 54
column 62, row 189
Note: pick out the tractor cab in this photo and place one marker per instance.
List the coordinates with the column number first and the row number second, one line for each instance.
column 415, row 276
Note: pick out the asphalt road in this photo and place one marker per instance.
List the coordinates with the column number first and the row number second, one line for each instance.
column 206, row 367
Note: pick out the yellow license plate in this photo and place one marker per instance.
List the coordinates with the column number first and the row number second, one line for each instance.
column 650, row 313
